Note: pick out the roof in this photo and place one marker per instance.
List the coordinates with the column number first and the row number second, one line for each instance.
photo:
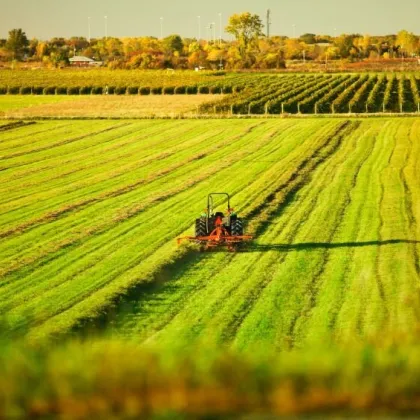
column 82, row 59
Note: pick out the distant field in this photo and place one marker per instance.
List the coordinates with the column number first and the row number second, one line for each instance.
column 107, row 106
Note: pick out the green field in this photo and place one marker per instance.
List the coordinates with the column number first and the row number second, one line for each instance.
column 90, row 212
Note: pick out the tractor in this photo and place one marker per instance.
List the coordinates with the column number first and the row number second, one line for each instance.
column 215, row 229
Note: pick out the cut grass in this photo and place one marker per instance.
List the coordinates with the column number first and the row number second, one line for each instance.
column 322, row 272
column 102, row 240
column 88, row 212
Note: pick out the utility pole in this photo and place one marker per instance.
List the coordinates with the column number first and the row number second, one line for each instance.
column 161, row 28
column 89, row 29
column 199, row 28
column 220, row 27
column 268, row 22
column 106, row 27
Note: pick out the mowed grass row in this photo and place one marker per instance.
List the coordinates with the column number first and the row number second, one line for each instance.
column 338, row 264
column 93, row 214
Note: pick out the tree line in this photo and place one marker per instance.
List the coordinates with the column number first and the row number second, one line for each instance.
column 249, row 49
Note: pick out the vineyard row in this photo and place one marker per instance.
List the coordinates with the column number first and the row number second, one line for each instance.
column 324, row 94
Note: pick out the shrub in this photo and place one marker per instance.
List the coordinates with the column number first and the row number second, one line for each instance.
column 37, row 90
column 13, row 90
column 180, row 90
column 73, row 90
column 111, row 90
column 132, row 90
column 61, row 91
column 168, row 90
column 120, row 90
column 257, row 107
column 85, row 90
column 25, row 90
column 203, row 89
column 215, row 90
column 49, row 90
column 3, row 90
column 97, row 90
column 227, row 89
column 192, row 90
column 156, row 91
column 145, row 90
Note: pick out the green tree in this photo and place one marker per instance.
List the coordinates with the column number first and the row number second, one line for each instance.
column 173, row 43
column 308, row 39
column 245, row 27
column 17, row 42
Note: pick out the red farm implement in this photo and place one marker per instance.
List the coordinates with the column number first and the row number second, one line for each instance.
column 215, row 229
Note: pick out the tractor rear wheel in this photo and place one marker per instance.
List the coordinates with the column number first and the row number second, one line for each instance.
column 200, row 227
column 237, row 227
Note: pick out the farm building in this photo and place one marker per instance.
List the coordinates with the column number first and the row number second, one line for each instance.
column 80, row 61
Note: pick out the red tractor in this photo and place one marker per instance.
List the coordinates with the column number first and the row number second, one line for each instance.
column 214, row 229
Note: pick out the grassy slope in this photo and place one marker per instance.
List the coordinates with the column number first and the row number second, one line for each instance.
column 88, row 211
column 340, row 263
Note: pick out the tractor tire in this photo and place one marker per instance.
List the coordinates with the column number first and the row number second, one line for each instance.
column 200, row 227
column 237, row 228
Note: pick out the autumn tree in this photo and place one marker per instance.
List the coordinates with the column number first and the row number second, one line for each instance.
column 345, row 45
column 293, row 49
column 245, row 27
column 17, row 42
column 407, row 42
column 41, row 50
column 76, row 44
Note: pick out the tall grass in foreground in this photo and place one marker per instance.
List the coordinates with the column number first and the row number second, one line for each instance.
column 99, row 379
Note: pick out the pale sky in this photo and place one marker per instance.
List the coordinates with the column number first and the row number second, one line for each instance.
column 45, row 19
